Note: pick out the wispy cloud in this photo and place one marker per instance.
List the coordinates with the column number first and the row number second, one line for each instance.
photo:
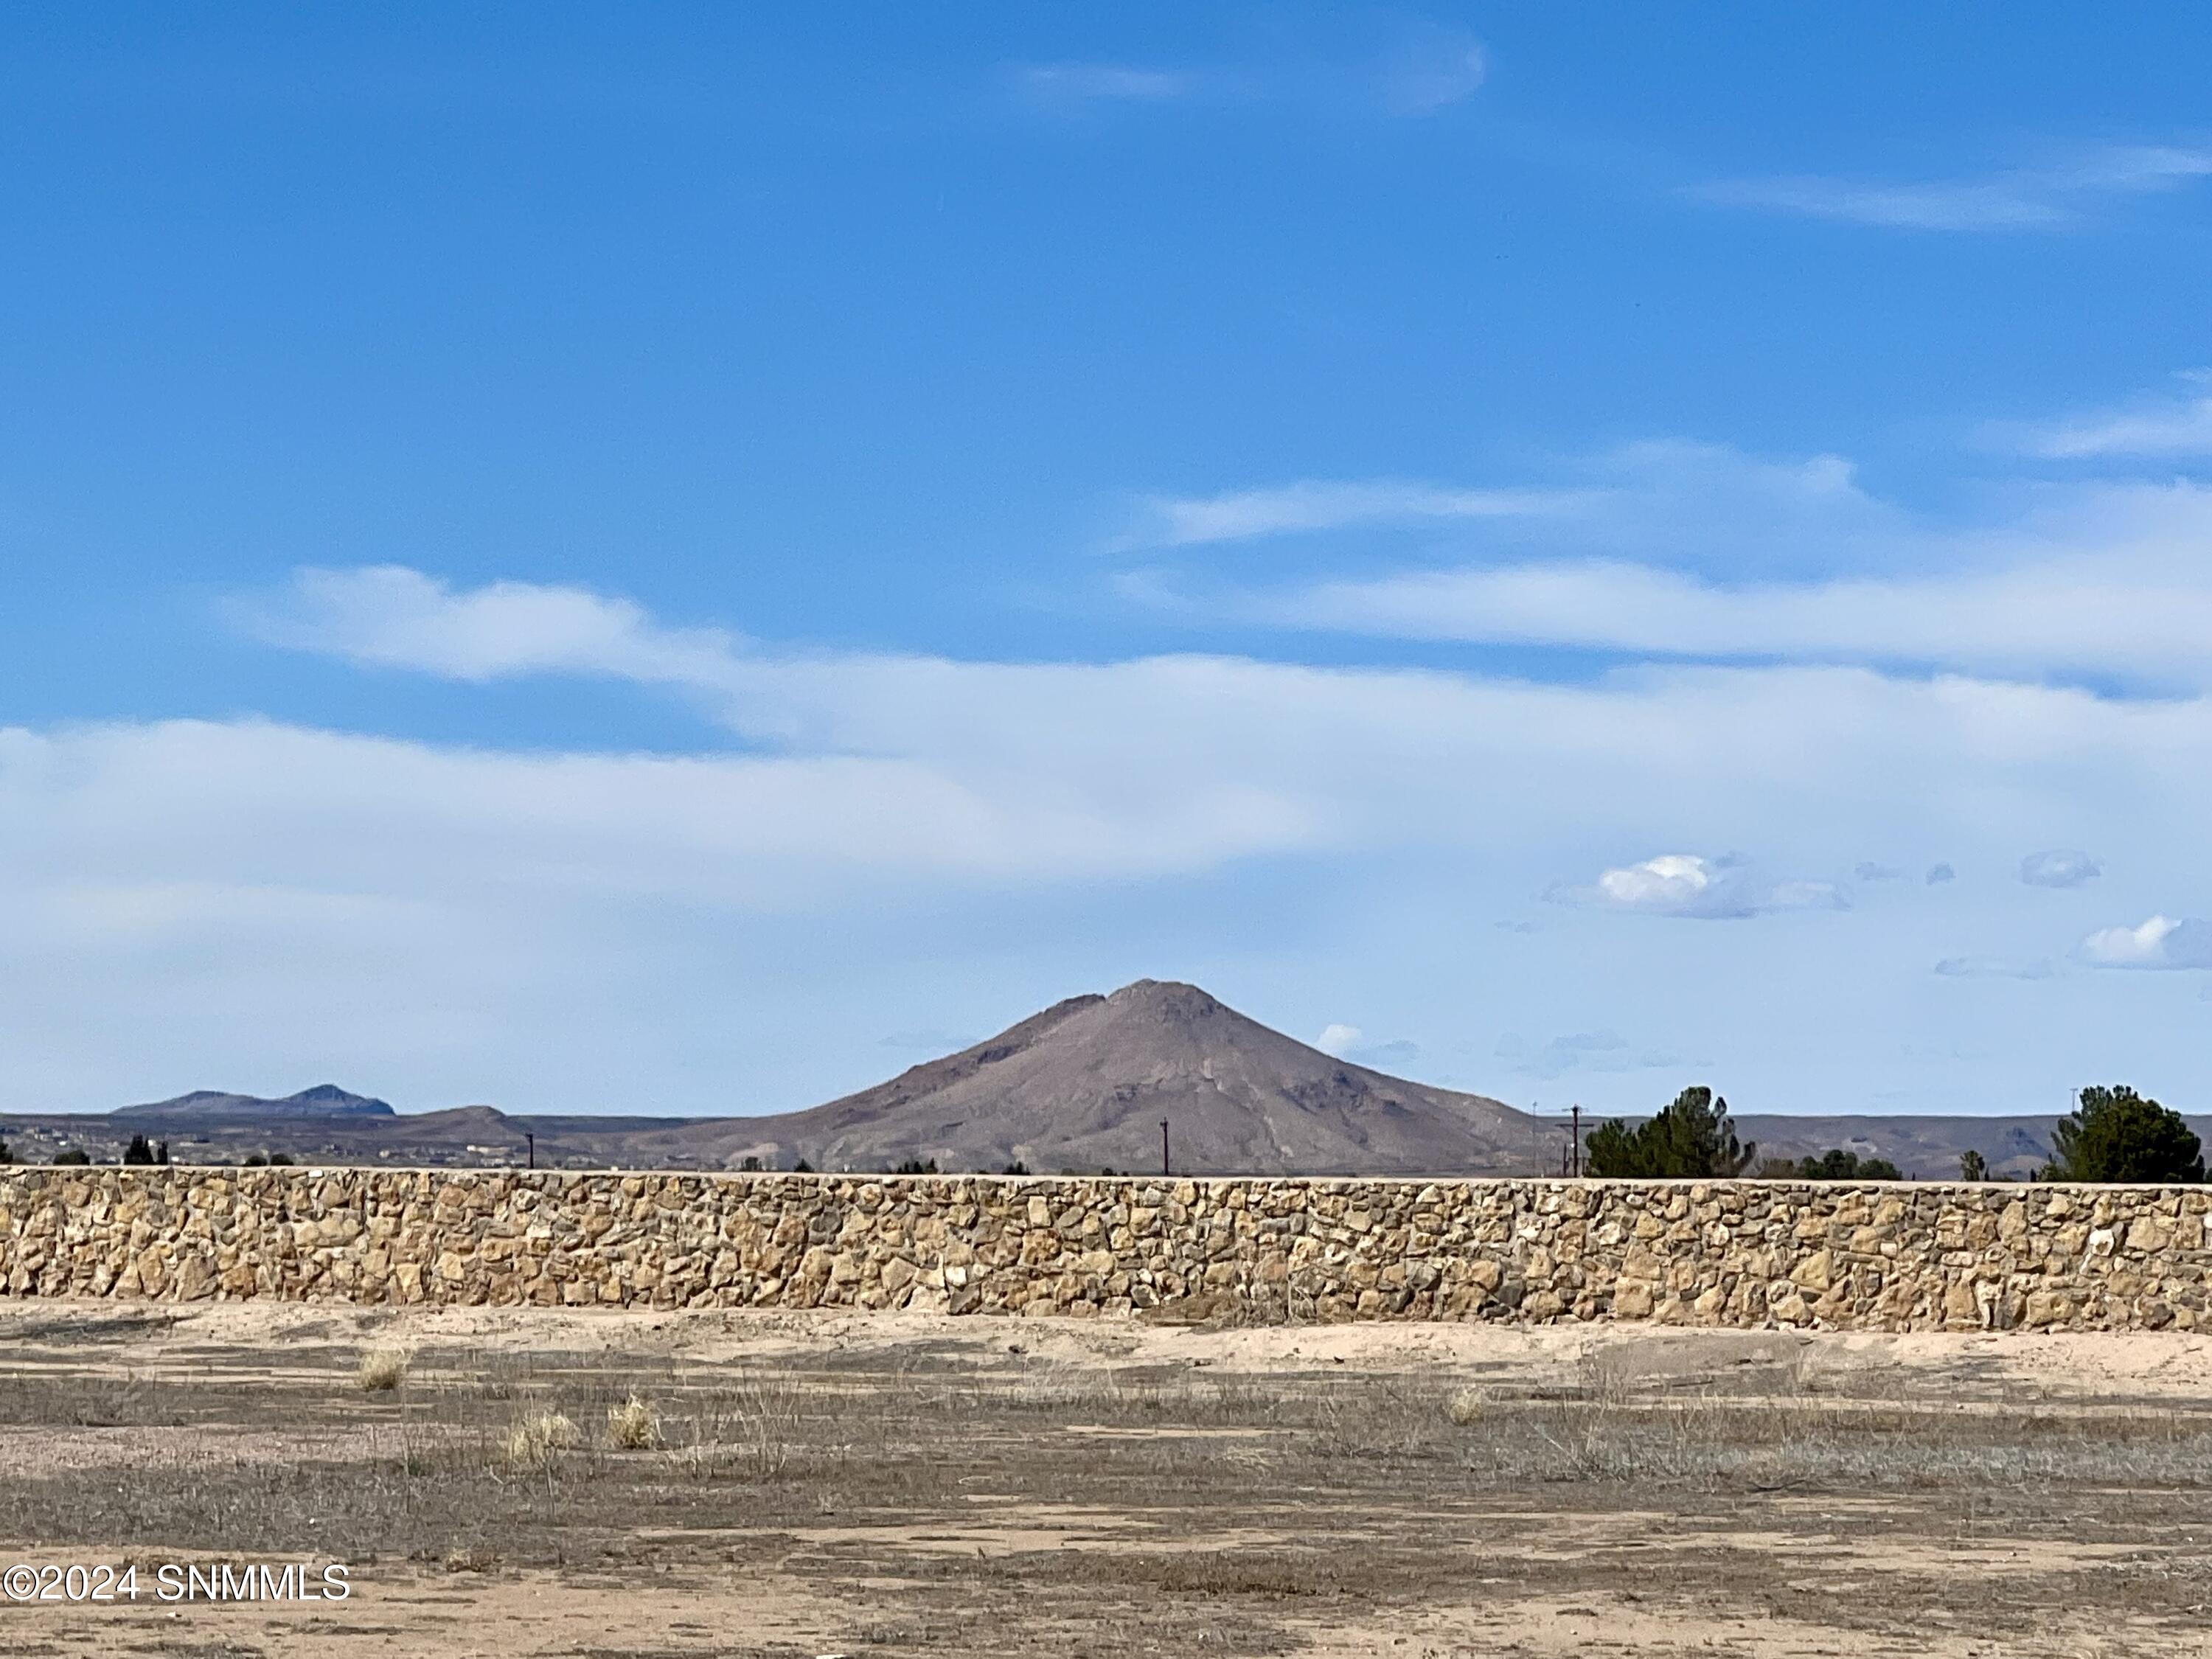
column 2028, row 198
column 2102, row 578
column 1712, row 889
column 1077, row 83
column 1433, row 69
column 1996, row 967
column 2165, row 427
column 1418, row 71
column 391, row 617
column 2160, row 942
column 1580, row 1051
column 1323, row 504
column 1664, row 497
column 2060, row 866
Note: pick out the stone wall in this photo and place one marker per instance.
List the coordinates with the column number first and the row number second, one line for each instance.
column 1877, row 1257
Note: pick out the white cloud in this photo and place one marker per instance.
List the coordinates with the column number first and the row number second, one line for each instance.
column 1739, row 561
column 1104, row 82
column 2173, row 426
column 1338, row 1039
column 2160, row 941
column 391, row 616
column 2077, row 615
column 1685, row 885
column 1323, row 504
column 441, row 923
column 2059, row 868
column 2047, row 198
column 1661, row 498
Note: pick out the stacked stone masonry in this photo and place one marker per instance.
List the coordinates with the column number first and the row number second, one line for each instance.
column 1746, row 1254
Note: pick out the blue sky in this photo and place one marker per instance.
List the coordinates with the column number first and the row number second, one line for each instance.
column 681, row 559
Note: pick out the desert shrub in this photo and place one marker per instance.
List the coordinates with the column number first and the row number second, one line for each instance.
column 1465, row 1408
column 633, row 1424
column 2116, row 1134
column 537, row 1439
column 916, row 1166
column 1692, row 1138
column 802, row 1168
column 1016, row 1167
column 7, row 1153
column 382, row 1370
column 73, row 1155
column 749, row 1165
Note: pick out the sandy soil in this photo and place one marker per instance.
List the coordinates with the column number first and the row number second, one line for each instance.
column 851, row 1484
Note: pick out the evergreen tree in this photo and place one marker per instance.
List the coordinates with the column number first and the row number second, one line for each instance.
column 2115, row 1134
column 1693, row 1139
column 1972, row 1166
column 1840, row 1165
column 140, row 1150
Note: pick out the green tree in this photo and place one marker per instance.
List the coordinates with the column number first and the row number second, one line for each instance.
column 2115, row 1134
column 916, row 1166
column 1691, row 1138
column 1836, row 1165
column 74, row 1155
column 1972, row 1166
column 140, row 1150
column 7, row 1153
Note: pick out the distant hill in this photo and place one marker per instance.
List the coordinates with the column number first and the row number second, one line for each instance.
column 1929, row 1147
column 1086, row 1083
column 324, row 1100
column 1082, row 1085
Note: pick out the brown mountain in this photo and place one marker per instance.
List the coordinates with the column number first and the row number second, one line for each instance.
column 1086, row 1083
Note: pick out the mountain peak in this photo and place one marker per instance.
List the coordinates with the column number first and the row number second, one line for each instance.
column 1086, row 1084
column 1163, row 999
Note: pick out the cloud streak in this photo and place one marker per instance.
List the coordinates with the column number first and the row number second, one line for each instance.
column 2021, row 199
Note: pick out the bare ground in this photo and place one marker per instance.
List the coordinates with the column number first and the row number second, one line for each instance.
column 847, row 1484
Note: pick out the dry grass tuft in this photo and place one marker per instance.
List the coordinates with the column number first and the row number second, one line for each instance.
column 1466, row 1407
column 470, row 1558
column 382, row 1370
column 538, row 1439
column 633, row 1426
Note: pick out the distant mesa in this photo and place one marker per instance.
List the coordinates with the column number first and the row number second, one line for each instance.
column 324, row 1100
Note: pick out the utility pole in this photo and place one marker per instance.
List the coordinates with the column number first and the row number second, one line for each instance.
column 1164, row 1167
column 1575, row 1146
column 532, row 1140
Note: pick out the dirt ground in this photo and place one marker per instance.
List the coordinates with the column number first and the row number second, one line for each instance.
column 804, row 1484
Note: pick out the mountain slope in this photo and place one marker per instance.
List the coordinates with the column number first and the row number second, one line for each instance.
column 1086, row 1083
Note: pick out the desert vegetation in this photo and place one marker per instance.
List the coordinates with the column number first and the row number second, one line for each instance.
column 1022, row 1487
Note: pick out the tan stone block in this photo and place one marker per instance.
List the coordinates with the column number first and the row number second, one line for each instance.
column 1816, row 1271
